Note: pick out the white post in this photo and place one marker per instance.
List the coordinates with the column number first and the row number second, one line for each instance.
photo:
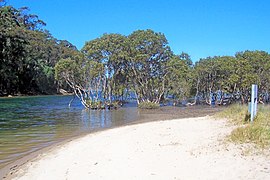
column 254, row 99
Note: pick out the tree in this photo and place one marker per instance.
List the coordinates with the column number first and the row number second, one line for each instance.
column 118, row 63
column 234, row 75
column 214, row 73
column 147, row 64
column 28, row 53
column 74, row 72
column 186, row 57
column 12, row 49
column 110, row 50
column 179, row 77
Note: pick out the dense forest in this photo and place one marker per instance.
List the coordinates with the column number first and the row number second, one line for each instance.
column 28, row 53
column 113, row 66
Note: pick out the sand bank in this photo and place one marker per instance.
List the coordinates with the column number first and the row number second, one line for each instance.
column 176, row 149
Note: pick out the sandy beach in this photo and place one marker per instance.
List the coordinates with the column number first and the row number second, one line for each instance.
column 192, row 148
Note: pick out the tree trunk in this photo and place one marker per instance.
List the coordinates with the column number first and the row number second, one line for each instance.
column 69, row 104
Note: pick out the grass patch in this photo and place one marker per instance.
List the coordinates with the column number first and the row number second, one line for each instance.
column 237, row 114
column 148, row 105
column 257, row 132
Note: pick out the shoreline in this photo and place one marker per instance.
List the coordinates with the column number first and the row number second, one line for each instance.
column 35, row 95
column 163, row 113
column 114, row 132
column 7, row 171
column 12, row 167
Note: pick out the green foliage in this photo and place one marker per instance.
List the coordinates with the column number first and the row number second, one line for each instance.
column 148, row 105
column 113, row 64
column 179, row 77
column 137, row 62
column 148, row 64
column 233, row 74
column 66, row 69
column 95, row 105
column 186, row 58
column 108, row 53
column 28, row 53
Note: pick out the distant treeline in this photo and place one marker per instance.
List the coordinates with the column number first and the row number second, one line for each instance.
column 32, row 61
column 28, row 53
column 234, row 74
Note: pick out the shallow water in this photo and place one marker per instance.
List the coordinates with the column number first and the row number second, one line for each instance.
column 31, row 123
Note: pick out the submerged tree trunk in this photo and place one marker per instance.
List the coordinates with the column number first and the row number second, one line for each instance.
column 69, row 104
column 79, row 92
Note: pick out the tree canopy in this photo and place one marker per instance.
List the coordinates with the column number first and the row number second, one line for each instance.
column 113, row 66
column 28, row 53
column 234, row 75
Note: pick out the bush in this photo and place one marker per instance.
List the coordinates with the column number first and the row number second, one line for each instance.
column 95, row 105
column 148, row 105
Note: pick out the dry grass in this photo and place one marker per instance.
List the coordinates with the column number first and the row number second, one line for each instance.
column 257, row 132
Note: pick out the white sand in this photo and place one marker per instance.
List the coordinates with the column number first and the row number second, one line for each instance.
column 176, row 149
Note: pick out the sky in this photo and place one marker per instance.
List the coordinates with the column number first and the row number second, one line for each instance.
column 200, row 28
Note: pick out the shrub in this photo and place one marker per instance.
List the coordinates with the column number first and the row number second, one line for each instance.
column 148, row 105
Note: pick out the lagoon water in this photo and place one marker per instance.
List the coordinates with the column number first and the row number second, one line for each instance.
column 28, row 124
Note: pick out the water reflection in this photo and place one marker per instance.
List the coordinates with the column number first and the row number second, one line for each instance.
column 31, row 123
column 106, row 118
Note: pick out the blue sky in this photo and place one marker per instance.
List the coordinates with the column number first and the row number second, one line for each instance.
column 201, row 28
